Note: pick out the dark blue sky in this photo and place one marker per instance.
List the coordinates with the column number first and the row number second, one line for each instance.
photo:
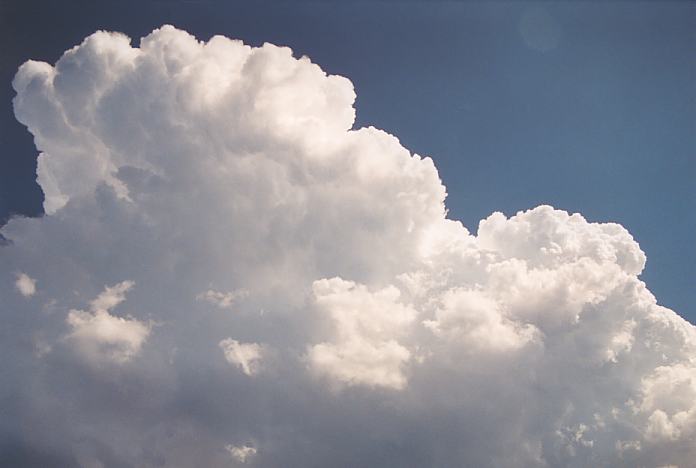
column 590, row 107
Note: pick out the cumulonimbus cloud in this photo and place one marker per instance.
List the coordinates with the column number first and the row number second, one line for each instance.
column 372, row 329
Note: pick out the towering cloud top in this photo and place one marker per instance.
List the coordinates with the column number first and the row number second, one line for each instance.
column 276, row 288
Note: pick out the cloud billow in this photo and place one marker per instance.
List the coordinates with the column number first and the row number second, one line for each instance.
column 229, row 274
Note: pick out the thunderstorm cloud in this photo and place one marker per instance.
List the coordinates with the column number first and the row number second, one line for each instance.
column 228, row 273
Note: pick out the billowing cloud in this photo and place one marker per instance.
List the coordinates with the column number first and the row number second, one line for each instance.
column 25, row 285
column 99, row 336
column 242, row 453
column 246, row 356
column 377, row 331
column 365, row 350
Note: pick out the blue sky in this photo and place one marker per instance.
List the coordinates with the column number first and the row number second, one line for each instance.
column 592, row 111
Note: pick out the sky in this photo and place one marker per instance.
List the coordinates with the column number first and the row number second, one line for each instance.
column 407, row 234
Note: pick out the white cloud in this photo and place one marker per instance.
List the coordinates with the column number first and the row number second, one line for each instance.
column 367, row 325
column 111, row 296
column 246, row 356
column 183, row 164
column 669, row 400
column 221, row 299
column 100, row 336
column 469, row 316
column 26, row 285
column 242, row 453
